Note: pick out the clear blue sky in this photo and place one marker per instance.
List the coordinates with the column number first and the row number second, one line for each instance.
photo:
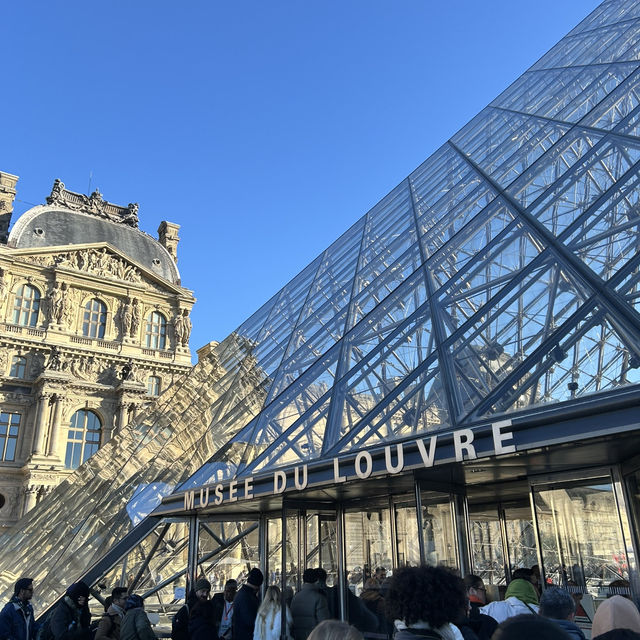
column 264, row 127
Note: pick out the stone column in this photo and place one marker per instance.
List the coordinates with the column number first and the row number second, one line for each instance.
column 30, row 501
column 122, row 414
column 41, row 414
column 56, row 427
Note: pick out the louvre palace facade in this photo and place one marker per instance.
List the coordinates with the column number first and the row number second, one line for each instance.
column 455, row 380
column 89, row 306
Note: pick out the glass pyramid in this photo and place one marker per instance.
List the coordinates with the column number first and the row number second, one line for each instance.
column 501, row 275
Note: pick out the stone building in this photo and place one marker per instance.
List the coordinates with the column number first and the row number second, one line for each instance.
column 94, row 324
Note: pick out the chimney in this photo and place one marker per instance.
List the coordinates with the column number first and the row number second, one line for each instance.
column 168, row 237
column 7, row 194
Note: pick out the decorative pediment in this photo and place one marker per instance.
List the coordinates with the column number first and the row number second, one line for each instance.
column 98, row 261
column 102, row 261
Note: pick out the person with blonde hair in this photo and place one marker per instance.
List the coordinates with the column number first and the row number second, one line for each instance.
column 269, row 618
column 335, row 630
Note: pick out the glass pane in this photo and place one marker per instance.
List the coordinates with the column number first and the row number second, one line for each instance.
column 438, row 529
column 521, row 539
column 581, row 537
column 407, row 535
column 367, row 542
column 487, row 551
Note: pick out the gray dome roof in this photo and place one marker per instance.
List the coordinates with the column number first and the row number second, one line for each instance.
column 52, row 225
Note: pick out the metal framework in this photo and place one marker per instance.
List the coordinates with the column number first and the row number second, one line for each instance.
column 503, row 274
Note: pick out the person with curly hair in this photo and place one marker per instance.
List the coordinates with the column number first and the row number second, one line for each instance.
column 424, row 602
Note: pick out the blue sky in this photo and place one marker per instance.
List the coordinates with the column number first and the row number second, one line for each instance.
column 264, row 128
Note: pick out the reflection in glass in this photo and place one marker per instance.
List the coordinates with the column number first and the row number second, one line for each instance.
column 367, row 536
column 487, row 552
column 438, row 529
column 581, row 537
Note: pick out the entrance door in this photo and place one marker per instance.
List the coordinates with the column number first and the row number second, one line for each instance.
column 581, row 536
column 502, row 538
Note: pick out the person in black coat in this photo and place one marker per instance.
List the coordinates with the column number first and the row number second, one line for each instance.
column 245, row 606
column 481, row 624
column 71, row 618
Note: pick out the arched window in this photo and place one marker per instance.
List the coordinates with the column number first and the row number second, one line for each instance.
column 95, row 319
column 83, row 438
column 156, row 333
column 26, row 306
column 18, row 367
column 153, row 386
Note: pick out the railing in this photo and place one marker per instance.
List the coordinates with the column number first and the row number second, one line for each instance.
column 79, row 340
column 108, row 345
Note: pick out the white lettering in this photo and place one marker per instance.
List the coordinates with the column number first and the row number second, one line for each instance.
column 462, row 440
column 336, row 472
column 218, row 494
column 189, row 500
column 233, row 491
column 427, row 456
column 366, row 456
column 300, row 484
column 248, row 488
column 500, row 438
column 399, row 454
column 279, row 482
column 204, row 498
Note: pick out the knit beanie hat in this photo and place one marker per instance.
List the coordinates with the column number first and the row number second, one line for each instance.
column 134, row 602
column 203, row 583
column 523, row 590
column 78, row 590
column 255, row 577
column 23, row 583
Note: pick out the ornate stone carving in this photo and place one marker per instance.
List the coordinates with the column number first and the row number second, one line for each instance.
column 85, row 368
column 98, row 262
column 3, row 286
column 126, row 317
column 95, row 205
column 36, row 364
column 136, row 317
column 182, row 328
column 56, row 361
column 58, row 302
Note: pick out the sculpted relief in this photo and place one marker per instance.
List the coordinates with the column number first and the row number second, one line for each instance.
column 182, row 328
column 99, row 262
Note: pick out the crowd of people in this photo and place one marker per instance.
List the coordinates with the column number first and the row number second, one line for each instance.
column 415, row 603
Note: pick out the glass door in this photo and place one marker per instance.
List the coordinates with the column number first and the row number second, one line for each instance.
column 581, row 536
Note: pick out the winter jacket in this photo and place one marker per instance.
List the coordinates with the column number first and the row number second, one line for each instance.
column 70, row 622
column 308, row 608
column 201, row 621
column 501, row 610
column 136, row 626
column 482, row 625
column 245, row 609
column 269, row 628
column 17, row 621
column 109, row 625
column 571, row 628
